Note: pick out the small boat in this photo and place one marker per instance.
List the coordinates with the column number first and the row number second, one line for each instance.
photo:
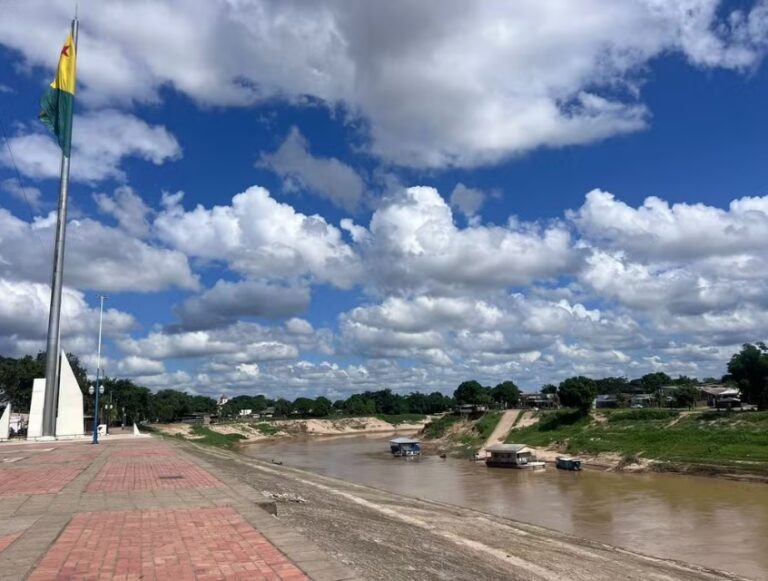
column 405, row 447
column 568, row 463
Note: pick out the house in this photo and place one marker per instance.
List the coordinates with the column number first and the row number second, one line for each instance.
column 606, row 401
column 471, row 408
column 197, row 419
column 643, row 400
column 245, row 412
column 405, row 447
column 268, row 412
column 717, row 395
column 511, row 456
column 538, row 400
column 222, row 400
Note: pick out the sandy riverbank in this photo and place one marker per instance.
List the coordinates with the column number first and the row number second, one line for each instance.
column 255, row 431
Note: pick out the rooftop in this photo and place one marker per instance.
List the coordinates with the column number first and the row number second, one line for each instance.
column 404, row 441
column 507, row 448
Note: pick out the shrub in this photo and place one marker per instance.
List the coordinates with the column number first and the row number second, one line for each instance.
column 438, row 428
column 642, row 415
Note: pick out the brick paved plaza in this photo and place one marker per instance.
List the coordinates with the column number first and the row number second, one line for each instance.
column 139, row 509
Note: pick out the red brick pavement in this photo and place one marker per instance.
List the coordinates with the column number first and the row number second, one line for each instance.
column 42, row 479
column 167, row 474
column 7, row 540
column 185, row 544
column 144, row 452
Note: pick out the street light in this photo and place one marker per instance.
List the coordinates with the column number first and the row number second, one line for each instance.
column 99, row 388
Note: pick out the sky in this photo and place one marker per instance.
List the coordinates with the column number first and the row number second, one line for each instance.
column 320, row 198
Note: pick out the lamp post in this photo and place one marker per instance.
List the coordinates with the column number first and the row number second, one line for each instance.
column 99, row 388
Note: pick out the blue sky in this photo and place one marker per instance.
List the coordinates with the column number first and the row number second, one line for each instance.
column 301, row 201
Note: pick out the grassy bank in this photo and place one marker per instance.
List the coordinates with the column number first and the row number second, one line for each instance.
column 203, row 435
column 462, row 437
column 702, row 441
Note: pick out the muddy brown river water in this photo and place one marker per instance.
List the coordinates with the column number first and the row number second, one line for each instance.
column 717, row 523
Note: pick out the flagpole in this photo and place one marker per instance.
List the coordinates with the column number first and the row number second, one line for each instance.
column 52, row 348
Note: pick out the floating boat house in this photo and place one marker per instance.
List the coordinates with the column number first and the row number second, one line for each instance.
column 512, row 456
column 405, row 447
column 568, row 463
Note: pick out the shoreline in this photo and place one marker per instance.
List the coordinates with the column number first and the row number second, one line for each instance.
column 359, row 524
column 326, row 428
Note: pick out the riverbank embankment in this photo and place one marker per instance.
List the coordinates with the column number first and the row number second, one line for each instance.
column 703, row 442
column 386, row 536
column 247, row 431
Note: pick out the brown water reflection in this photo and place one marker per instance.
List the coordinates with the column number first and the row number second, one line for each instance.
column 717, row 523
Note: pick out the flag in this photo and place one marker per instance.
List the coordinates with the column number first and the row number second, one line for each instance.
column 58, row 102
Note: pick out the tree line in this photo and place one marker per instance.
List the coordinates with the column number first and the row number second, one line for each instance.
column 747, row 369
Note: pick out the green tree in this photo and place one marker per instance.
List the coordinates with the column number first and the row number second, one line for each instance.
column 303, row 406
column 438, row 403
column 135, row 400
column 283, row 407
column 577, row 392
column 359, row 405
column 653, row 381
column 471, row 392
column 506, row 394
column 686, row 396
column 549, row 388
column 749, row 369
column 322, row 407
column 169, row 405
column 16, row 377
column 611, row 385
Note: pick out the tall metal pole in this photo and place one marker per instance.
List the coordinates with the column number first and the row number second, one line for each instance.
column 51, row 400
column 98, row 375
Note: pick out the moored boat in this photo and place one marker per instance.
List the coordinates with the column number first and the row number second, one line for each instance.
column 568, row 463
column 405, row 447
column 512, row 456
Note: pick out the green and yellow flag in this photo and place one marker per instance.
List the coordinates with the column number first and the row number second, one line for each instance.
column 58, row 102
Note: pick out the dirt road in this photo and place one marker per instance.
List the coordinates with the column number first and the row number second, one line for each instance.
column 383, row 536
column 499, row 434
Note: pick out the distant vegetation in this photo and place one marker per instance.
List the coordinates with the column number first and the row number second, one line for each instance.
column 396, row 419
column 747, row 369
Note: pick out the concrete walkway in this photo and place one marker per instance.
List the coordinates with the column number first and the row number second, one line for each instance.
column 499, row 433
column 131, row 509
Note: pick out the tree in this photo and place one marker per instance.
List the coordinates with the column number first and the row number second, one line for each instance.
column 303, row 406
column 686, row 396
column 611, row 385
column 577, row 392
column 16, row 377
column 749, row 369
column 653, row 381
column 322, row 407
column 437, row 403
column 169, row 405
column 135, row 400
column 283, row 407
column 359, row 405
column 549, row 388
column 471, row 392
column 506, row 394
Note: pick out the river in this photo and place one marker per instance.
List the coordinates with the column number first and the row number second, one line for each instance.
column 707, row 521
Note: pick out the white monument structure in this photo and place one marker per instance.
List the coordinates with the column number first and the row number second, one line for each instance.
column 69, row 421
column 5, row 423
